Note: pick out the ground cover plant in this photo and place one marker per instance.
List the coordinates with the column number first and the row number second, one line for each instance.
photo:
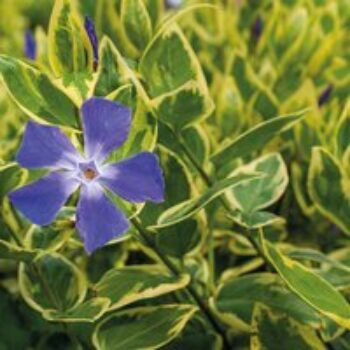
column 175, row 174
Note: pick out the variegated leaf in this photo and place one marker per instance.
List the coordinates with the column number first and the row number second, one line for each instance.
column 329, row 188
column 273, row 330
column 129, row 284
column 142, row 328
column 36, row 94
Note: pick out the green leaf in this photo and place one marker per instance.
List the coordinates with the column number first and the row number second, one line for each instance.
column 329, row 187
column 69, row 48
column 255, row 139
column 343, row 131
column 241, row 71
column 267, row 190
column 88, row 311
column 183, row 106
column 137, row 22
column 52, row 283
column 129, row 284
column 167, row 62
column 35, row 93
column 174, row 79
column 10, row 177
column 142, row 328
column 336, row 268
column 194, row 137
column 190, row 207
column 179, row 239
column 155, row 10
column 309, row 286
column 111, row 74
column 237, row 296
column 196, row 341
column 12, row 333
column 316, row 256
column 179, row 185
column 272, row 329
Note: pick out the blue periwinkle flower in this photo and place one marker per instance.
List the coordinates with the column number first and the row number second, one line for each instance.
column 29, row 45
column 106, row 126
column 91, row 32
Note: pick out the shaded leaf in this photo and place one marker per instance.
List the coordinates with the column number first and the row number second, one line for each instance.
column 273, row 331
column 88, row 311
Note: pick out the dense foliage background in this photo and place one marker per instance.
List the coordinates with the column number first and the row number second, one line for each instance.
column 246, row 103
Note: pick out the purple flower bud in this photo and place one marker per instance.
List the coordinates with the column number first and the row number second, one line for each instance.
column 257, row 28
column 325, row 95
column 29, row 45
column 91, row 32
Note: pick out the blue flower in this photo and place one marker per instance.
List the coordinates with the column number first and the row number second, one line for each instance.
column 137, row 179
column 29, row 45
column 91, row 32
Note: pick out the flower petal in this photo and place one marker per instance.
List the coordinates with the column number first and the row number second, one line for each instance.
column 106, row 126
column 136, row 179
column 46, row 146
column 41, row 200
column 98, row 220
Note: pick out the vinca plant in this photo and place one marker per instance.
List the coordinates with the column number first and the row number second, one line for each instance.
column 175, row 174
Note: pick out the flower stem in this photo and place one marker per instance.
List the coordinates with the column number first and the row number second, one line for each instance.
column 190, row 289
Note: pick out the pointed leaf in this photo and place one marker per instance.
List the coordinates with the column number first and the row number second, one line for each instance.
column 190, row 207
column 255, row 139
column 137, row 22
column 309, row 286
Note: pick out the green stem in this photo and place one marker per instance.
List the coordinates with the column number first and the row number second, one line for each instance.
column 190, row 289
column 206, row 178
column 15, row 237
column 211, row 259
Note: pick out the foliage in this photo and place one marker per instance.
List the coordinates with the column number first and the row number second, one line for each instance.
column 246, row 104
